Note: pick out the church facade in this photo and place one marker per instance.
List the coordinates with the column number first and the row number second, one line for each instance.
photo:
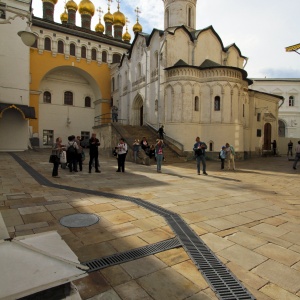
column 188, row 81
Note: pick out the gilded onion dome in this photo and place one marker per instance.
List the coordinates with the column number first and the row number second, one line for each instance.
column 119, row 18
column 71, row 5
column 99, row 27
column 86, row 7
column 126, row 36
column 108, row 17
column 137, row 27
column 64, row 16
column 51, row 1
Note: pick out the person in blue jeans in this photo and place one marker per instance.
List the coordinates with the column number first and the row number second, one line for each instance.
column 222, row 156
column 199, row 150
column 159, row 154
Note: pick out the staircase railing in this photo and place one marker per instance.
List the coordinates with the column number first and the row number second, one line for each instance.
column 105, row 119
column 168, row 138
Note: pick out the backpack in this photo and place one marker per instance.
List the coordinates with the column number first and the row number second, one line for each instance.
column 72, row 150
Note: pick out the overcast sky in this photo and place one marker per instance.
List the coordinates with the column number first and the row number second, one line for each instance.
column 260, row 28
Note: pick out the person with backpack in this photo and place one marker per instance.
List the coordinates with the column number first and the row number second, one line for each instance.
column 94, row 144
column 230, row 153
column 72, row 150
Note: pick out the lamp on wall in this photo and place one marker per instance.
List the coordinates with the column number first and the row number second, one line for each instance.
column 27, row 36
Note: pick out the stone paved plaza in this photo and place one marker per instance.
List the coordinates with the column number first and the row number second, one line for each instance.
column 249, row 218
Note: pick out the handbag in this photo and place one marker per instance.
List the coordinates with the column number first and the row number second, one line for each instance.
column 53, row 159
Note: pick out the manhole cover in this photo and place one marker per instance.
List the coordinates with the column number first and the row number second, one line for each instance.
column 79, row 220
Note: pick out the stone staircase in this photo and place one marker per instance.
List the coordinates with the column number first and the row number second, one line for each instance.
column 130, row 133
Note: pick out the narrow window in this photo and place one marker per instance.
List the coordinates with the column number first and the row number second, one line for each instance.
column 291, row 101
column 189, row 16
column 113, row 84
column 47, row 44
column 83, row 52
column 104, row 56
column 139, row 70
column 47, row 97
column 72, row 49
column 258, row 117
column 258, row 132
column 156, row 105
column 210, row 146
column 217, row 103
column 94, row 54
column 60, row 47
column 87, row 101
column 68, row 98
column 196, row 107
column 156, row 59
column 243, row 110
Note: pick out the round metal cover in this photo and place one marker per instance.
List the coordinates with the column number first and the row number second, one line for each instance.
column 79, row 220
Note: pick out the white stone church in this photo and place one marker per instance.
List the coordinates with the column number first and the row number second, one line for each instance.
column 187, row 80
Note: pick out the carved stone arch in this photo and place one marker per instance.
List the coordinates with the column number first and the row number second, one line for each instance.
column 181, row 85
column 220, row 85
column 137, row 110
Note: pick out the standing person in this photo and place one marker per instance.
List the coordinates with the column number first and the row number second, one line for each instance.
column 274, row 145
column 297, row 158
column 56, row 150
column 290, row 148
column 94, row 143
column 79, row 152
column 230, row 153
column 161, row 132
column 122, row 151
column 114, row 113
column 159, row 154
column 136, row 149
column 72, row 150
column 199, row 150
column 222, row 156
column 145, row 146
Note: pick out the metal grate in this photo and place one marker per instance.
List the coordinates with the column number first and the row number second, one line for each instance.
column 126, row 256
column 221, row 280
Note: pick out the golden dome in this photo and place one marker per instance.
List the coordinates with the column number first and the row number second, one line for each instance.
column 99, row 27
column 137, row 27
column 64, row 16
column 108, row 17
column 51, row 1
column 71, row 5
column 119, row 18
column 126, row 36
column 86, row 7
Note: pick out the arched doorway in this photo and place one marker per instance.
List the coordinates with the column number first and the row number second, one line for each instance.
column 137, row 111
column 267, row 136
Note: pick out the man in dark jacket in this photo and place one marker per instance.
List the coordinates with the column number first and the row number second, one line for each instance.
column 199, row 149
column 94, row 144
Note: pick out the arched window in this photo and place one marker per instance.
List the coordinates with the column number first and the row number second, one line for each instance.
column 104, row 56
column 116, row 58
column 60, row 47
column 196, row 108
column 113, row 84
column 68, row 98
column 35, row 44
column 156, row 59
column 94, row 54
column 47, row 44
column 217, row 103
column 83, row 52
column 291, row 101
column 87, row 102
column 72, row 49
column 281, row 128
column 47, row 97
column 189, row 23
column 139, row 70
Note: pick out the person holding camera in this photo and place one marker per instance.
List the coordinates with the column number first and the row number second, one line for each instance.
column 159, row 154
column 199, row 150
column 94, row 144
column 122, row 151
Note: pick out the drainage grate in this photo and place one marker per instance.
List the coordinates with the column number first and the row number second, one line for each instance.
column 126, row 256
column 221, row 280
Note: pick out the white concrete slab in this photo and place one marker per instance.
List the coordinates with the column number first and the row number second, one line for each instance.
column 35, row 263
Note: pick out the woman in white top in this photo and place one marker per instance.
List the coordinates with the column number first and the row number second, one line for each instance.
column 122, row 151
